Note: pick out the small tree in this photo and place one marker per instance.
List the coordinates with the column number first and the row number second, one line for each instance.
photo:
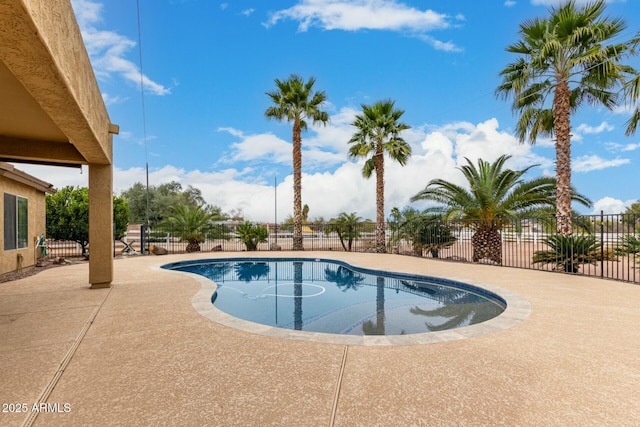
column 161, row 199
column 346, row 226
column 430, row 233
column 251, row 234
column 190, row 224
column 68, row 216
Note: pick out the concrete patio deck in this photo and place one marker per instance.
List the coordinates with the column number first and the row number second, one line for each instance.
column 140, row 354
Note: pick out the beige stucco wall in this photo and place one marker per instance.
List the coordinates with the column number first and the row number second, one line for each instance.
column 37, row 224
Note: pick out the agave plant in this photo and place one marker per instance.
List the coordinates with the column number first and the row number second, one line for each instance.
column 569, row 252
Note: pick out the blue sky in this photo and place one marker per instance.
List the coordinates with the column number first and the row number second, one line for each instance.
column 207, row 64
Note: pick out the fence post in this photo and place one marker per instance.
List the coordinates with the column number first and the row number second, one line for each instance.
column 601, row 243
column 143, row 230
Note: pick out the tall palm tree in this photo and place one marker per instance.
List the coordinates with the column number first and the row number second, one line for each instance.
column 496, row 195
column 378, row 133
column 566, row 59
column 295, row 101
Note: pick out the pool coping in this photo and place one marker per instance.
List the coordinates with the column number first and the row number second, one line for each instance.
column 517, row 311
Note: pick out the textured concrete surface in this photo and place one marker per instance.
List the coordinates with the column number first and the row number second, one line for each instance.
column 140, row 354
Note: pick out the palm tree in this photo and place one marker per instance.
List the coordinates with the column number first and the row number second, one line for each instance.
column 248, row 271
column 191, row 224
column 344, row 278
column 251, row 234
column 430, row 233
column 572, row 56
column 379, row 133
column 346, row 226
column 377, row 328
column 295, row 101
column 496, row 196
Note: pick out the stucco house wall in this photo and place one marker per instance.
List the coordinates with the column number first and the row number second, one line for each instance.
column 21, row 184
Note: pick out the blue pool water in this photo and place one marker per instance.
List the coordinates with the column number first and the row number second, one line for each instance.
column 334, row 297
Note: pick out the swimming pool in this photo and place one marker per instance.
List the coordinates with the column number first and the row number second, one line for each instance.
column 320, row 295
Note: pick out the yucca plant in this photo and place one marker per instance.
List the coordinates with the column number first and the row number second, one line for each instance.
column 569, row 252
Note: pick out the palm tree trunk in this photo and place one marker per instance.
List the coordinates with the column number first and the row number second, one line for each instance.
column 380, row 237
column 487, row 243
column 297, row 187
column 562, row 128
column 193, row 247
column 342, row 242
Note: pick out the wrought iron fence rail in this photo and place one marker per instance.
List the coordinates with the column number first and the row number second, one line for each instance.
column 608, row 246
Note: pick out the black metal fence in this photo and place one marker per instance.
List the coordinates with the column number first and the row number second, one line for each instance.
column 606, row 246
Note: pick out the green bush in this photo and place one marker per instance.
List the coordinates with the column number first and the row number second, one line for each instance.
column 251, row 234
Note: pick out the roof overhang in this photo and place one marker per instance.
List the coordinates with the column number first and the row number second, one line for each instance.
column 10, row 172
column 51, row 109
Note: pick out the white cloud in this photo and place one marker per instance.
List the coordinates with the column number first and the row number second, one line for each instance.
column 602, row 127
column 108, row 49
column 247, row 12
column 322, row 146
column 486, row 141
column 111, row 100
column 595, row 162
column 436, row 153
column 585, row 129
column 263, row 147
column 366, row 14
column 613, row 146
column 611, row 206
column 439, row 45
column 509, row 3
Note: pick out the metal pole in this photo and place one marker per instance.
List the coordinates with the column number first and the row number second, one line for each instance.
column 275, row 207
column 601, row 243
